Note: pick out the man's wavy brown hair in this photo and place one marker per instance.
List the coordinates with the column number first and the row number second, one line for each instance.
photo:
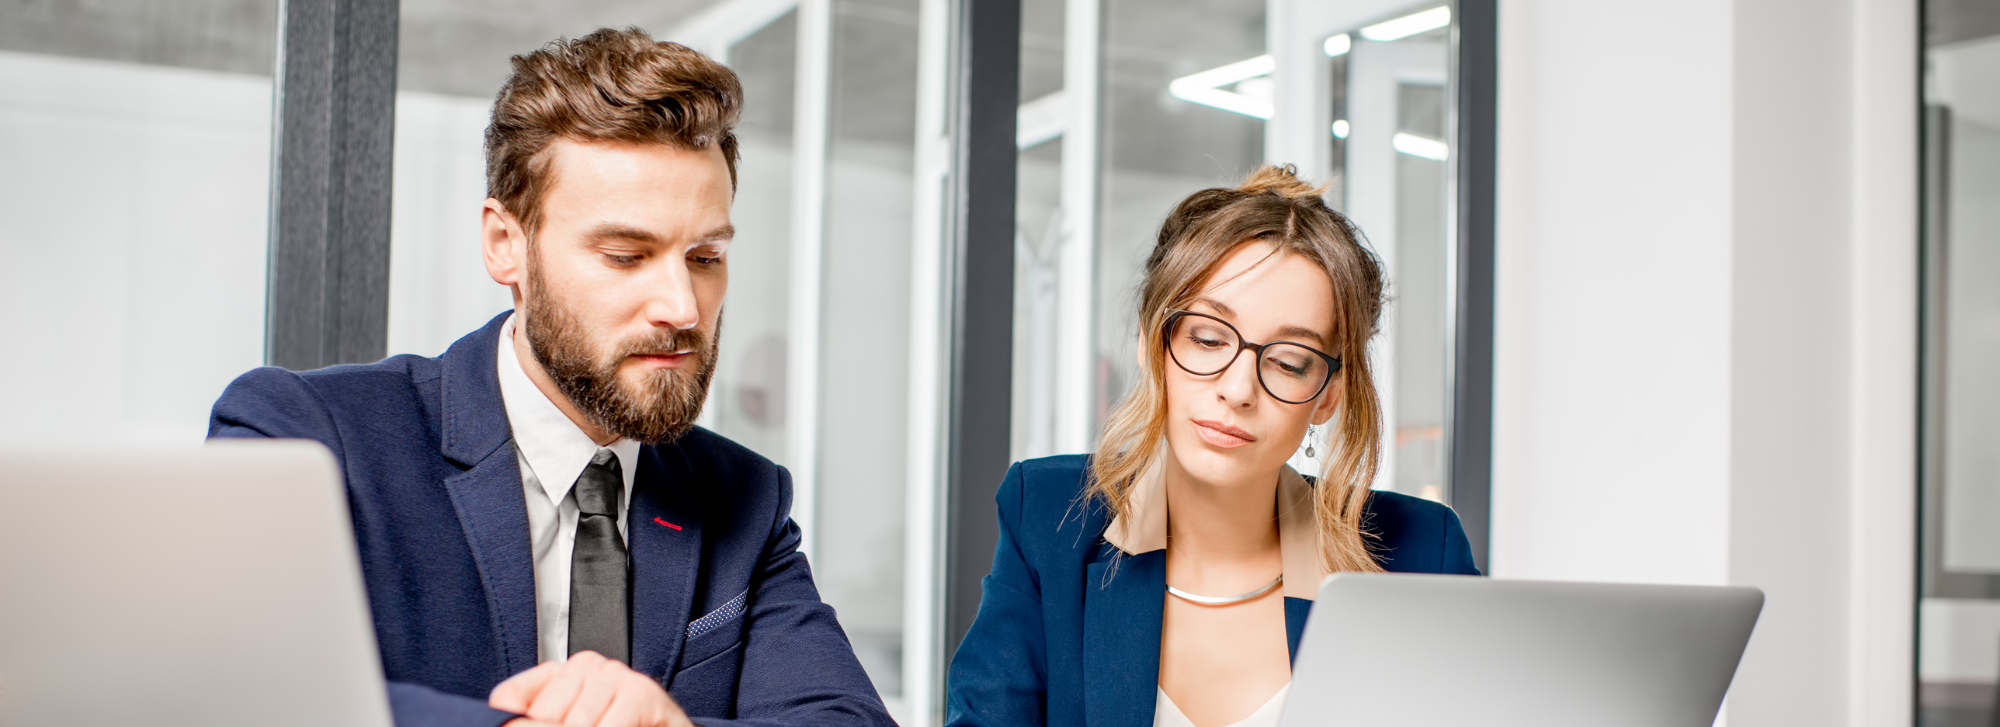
column 611, row 85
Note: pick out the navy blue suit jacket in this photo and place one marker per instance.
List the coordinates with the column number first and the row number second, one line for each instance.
column 724, row 612
column 1058, row 643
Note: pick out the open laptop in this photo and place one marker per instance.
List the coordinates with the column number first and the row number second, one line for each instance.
column 1431, row 651
column 207, row 585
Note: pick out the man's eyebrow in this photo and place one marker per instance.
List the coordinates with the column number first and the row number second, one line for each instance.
column 719, row 234
column 615, row 231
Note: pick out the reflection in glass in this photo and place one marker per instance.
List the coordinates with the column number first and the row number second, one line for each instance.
column 136, row 136
column 1959, row 615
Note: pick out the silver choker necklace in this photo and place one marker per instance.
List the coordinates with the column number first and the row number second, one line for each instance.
column 1226, row 600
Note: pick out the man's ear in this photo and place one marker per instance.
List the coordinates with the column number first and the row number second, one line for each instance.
column 503, row 244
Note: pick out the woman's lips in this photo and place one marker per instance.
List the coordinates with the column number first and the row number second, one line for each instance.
column 1220, row 435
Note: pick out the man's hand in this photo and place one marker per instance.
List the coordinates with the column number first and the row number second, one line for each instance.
column 588, row 690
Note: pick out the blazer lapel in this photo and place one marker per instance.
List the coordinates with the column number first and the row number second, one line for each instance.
column 1296, row 611
column 664, row 530
column 487, row 496
column 1122, row 617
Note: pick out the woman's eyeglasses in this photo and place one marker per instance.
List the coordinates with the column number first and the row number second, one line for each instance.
column 1205, row 345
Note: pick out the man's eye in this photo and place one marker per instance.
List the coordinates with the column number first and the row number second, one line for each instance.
column 706, row 260
column 622, row 260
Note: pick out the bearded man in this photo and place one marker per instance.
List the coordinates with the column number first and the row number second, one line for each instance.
column 545, row 535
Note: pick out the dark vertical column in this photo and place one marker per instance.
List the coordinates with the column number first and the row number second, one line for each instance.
column 329, row 277
column 1472, row 351
column 986, row 93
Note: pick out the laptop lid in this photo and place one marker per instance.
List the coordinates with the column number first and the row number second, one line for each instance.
column 1431, row 651
column 205, row 585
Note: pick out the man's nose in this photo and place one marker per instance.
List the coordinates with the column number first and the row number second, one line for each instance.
column 670, row 299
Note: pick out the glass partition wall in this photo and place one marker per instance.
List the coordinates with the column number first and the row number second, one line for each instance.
column 1959, row 612
column 1130, row 105
column 816, row 358
column 136, row 139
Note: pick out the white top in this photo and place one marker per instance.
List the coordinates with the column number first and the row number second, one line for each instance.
column 552, row 453
column 1168, row 714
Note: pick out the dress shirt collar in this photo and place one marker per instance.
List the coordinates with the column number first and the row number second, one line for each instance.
column 1298, row 534
column 554, row 447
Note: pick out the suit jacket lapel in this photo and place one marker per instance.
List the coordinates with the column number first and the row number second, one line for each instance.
column 665, row 534
column 1122, row 618
column 487, row 496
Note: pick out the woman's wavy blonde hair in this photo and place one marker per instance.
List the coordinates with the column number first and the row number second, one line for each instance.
column 1272, row 206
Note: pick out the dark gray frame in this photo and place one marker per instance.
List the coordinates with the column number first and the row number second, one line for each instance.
column 328, row 299
column 986, row 92
column 1470, row 435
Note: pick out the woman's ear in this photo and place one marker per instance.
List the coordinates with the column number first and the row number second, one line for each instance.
column 1329, row 400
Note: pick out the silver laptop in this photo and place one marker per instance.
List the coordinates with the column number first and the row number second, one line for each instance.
column 1431, row 651
column 204, row 585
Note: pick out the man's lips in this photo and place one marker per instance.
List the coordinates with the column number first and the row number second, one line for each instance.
column 663, row 359
column 1222, row 435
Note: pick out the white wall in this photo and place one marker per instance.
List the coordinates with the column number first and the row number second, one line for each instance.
column 133, row 202
column 1706, row 323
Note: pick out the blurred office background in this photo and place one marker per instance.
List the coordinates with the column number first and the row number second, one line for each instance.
column 1718, row 315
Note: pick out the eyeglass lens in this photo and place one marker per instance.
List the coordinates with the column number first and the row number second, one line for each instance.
column 1204, row 346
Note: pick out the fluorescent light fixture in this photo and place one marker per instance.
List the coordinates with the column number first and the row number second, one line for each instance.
column 1339, row 45
column 1340, row 128
column 1205, row 88
column 1408, row 25
column 1418, row 146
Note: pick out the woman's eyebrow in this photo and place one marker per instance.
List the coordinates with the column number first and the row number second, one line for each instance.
column 1283, row 332
column 1303, row 332
column 1218, row 306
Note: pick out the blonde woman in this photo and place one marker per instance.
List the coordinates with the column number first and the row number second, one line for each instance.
column 1166, row 580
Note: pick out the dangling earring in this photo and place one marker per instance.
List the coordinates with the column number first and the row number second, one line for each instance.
column 1311, row 437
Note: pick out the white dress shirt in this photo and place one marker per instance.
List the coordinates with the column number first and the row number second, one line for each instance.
column 552, row 453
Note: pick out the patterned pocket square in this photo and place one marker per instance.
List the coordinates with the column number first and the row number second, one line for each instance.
column 719, row 616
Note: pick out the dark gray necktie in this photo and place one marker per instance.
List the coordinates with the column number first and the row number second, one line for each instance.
column 600, row 603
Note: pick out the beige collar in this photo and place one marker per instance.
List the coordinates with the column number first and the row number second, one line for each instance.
column 1298, row 534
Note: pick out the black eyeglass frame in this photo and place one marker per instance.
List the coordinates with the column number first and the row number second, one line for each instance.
column 1167, row 340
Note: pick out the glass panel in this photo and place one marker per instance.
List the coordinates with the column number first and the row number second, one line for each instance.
column 1959, row 616
column 1038, row 229
column 747, row 400
column 1383, row 147
column 865, row 311
column 452, row 57
column 136, row 136
column 1159, row 148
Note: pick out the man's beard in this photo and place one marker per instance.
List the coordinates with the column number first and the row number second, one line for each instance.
column 660, row 408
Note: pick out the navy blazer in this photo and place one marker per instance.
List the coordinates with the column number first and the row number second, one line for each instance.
column 1059, row 643
column 724, row 612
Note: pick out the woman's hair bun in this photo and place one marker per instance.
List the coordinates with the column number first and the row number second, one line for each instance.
column 1282, row 181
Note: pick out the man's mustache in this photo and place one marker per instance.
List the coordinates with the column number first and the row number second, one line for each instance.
column 663, row 343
